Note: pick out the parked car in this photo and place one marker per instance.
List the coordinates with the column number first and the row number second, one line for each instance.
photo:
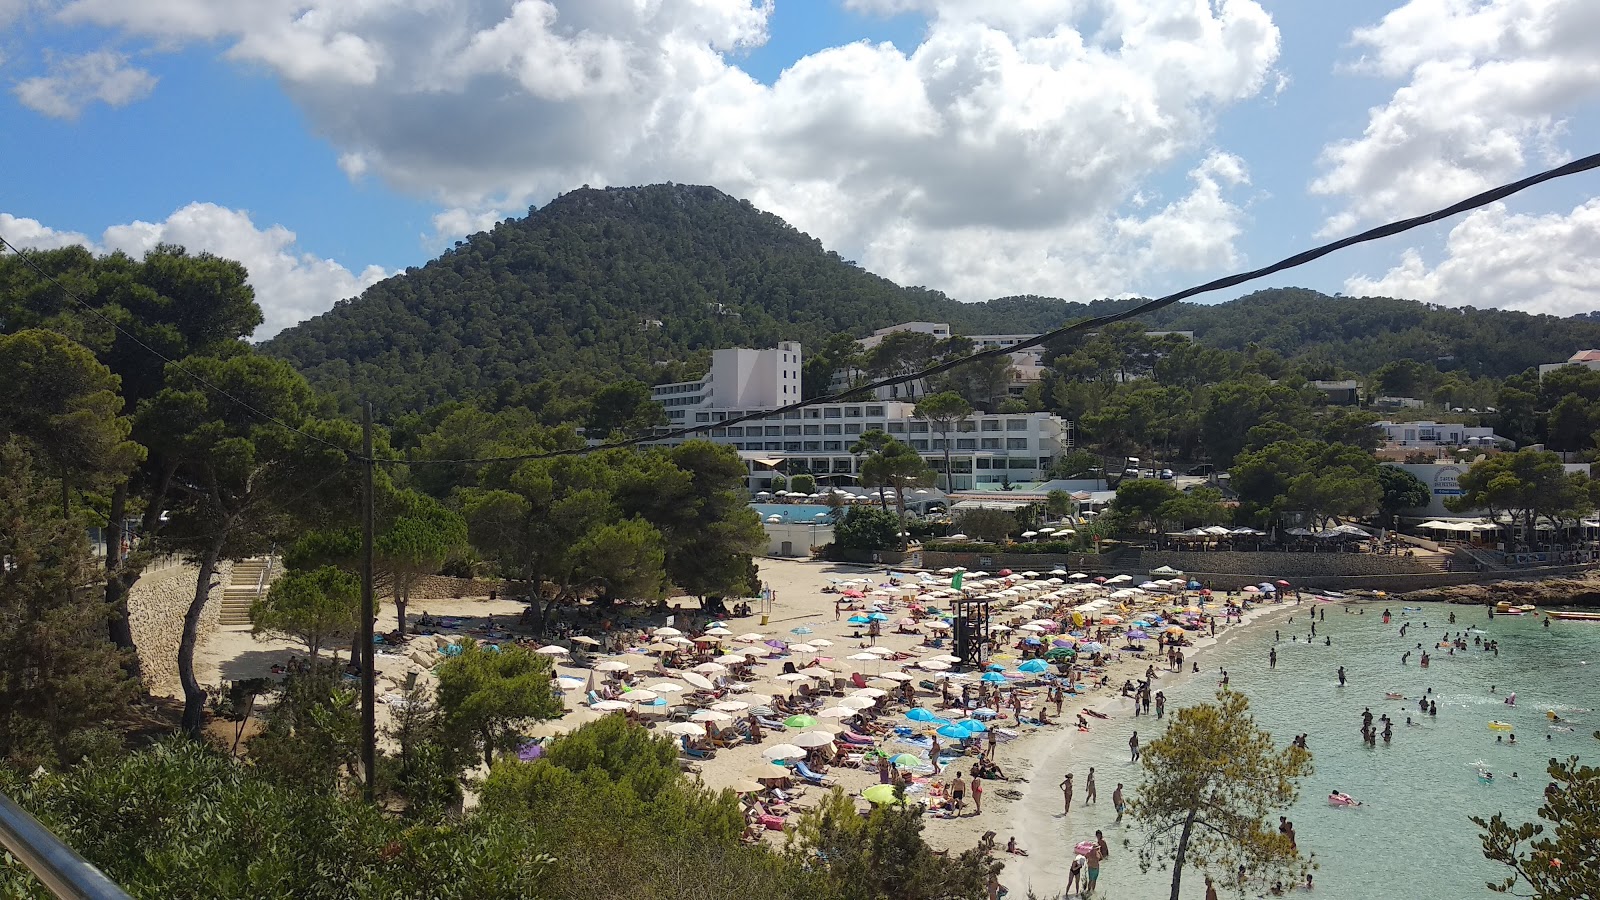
column 1166, row 475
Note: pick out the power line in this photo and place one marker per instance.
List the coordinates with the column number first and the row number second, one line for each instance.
column 27, row 257
column 1391, row 229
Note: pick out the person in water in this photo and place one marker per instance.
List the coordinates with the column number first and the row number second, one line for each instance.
column 1341, row 676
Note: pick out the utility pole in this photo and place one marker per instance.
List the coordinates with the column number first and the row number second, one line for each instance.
column 369, row 708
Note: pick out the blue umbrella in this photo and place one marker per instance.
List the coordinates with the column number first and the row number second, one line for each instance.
column 973, row 725
column 994, row 678
column 878, row 617
column 1194, row 585
column 1034, row 666
column 918, row 714
column 1090, row 647
column 801, row 630
column 995, row 667
column 858, row 620
column 954, row 732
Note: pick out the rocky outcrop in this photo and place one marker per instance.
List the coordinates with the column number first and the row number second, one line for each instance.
column 156, row 607
column 1547, row 592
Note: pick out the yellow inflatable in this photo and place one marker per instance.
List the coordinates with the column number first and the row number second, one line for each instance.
column 1501, row 726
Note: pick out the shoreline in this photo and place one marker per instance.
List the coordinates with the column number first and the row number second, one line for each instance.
column 1034, row 819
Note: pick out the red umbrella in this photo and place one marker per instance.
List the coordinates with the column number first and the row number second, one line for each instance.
column 1004, row 572
column 1205, row 592
column 1282, row 582
column 856, row 594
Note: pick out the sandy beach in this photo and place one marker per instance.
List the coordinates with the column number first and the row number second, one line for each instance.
column 1033, row 761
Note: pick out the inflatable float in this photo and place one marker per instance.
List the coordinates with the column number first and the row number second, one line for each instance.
column 1338, row 799
column 1501, row 726
column 1394, row 696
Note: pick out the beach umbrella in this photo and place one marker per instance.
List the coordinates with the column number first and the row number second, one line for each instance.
column 1283, row 583
column 793, row 677
column 755, row 650
column 954, row 732
column 769, row 772
column 933, row 665
column 711, row 715
column 905, row 759
column 1033, row 666
column 877, row 617
column 919, row 714
column 854, row 702
column 784, row 751
column 1091, row 647
column 801, row 630
column 609, row 706
column 858, row 620
column 640, row 695
column 683, row 729
column 666, row 687
column 939, row 625
column 1137, row 634
column 731, row 706
column 585, row 640
column 744, row 786
column 879, row 794
column 973, row 725
column 800, row 721
column 836, row 712
column 1194, row 585
column 820, row 642
column 750, row 637
column 659, row 647
column 612, row 665
column 871, row 693
column 667, row 631
column 895, row 676
column 1059, row 653
column 809, row 739
column 994, row 678
column 698, row 681
column 710, row 668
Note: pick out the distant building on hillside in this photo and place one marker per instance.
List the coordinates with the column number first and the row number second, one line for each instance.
column 987, row 450
column 1407, row 439
column 1398, row 403
column 1340, row 393
column 1589, row 359
column 1027, row 364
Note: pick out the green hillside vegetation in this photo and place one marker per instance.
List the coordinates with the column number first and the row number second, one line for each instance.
column 641, row 283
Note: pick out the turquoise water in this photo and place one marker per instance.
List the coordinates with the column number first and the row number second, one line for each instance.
column 792, row 512
column 1413, row 838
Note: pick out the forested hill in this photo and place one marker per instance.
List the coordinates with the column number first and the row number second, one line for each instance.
column 634, row 282
column 599, row 282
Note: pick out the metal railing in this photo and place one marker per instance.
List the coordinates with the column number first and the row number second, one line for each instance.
column 58, row 867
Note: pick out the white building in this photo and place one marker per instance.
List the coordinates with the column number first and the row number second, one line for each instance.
column 1589, row 359
column 1427, row 435
column 985, row 450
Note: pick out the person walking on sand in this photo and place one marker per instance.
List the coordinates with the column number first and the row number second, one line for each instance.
column 1161, row 704
column 1066, row 795
column 1093, row 875
column 1088, row 788
column 958, row 792
column 1133, row 748
column 1116, row 801
column 1075, row 874
column 933, row 754
column 977, row 796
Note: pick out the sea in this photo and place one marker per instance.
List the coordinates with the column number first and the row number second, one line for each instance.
column 1412, row 837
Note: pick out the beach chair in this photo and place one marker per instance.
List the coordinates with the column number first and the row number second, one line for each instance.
column 692, row 753
column 811, row 777
column 858, row 680
column 859, row 740
column 771, row 724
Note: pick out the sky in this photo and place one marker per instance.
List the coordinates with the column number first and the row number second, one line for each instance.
column 1068, row 148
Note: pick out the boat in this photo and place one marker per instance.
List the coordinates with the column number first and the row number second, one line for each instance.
column 1574, row 616
column 1504, row 608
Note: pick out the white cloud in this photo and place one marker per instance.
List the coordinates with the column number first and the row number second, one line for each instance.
column 1536, row 263
column 75, row 82
column 291, row 285
column 1016, row 131
column 1488, row 83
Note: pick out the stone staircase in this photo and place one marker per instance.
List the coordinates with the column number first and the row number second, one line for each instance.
column 248, row 581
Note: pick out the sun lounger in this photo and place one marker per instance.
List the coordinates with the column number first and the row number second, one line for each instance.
column 861, row 740
column 805, row 772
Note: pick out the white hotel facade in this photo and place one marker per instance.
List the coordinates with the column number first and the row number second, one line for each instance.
column 987, row 451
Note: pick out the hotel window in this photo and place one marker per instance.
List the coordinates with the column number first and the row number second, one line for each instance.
column 831, row 412
column 773, row 430
column 738, row 431
column 1016, row 424
column 789, row 430
column 832, row 445
column 966, row 426
column 719, row 432
column 1020, row 464
column 897, row 428
column 702, row 417
column 983, row 462
column 841, row 465
column 874, row 412
column 813, row 446
column 1016, row 443
column 831, row 428
column 791, row 446
column 852, row 412
column 991, row 424
column 919, row 427
column 852, row 428
column 813, row 429
column 966, row 443
column 812, row 413
column 991, row 443
column 919, row 444
column 772, row 445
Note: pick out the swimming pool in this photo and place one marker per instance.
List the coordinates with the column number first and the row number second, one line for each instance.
column 804, row 513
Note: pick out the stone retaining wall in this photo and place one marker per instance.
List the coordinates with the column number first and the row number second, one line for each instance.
column 1291, row 566
column 442, row 587
column 156, row 607
column 1031, row 562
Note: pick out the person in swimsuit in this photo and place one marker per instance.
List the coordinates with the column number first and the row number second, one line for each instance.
column 958, row 793
column 1066, row 794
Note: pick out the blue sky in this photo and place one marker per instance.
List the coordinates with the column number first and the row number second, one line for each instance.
column 1104, row 148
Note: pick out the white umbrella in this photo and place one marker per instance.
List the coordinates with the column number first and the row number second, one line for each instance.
column 552, row 650
column 866, row 657
column 667, row 631
column 755, row 650
column 730, row 658
column 710, row 715
column 612, row 665
column 869, row 692
column 933, row 665
column 731, row 706
column 710, row 668
column 610, row 706
column 881, row 651
column 783, row 751
column 939, row 625
column 685, row 729
column 698, row 681
column 803, row 649
column 793, row 677
column 750, row 636
column 837, row 712
column 585, row 640
column 820, row 642
column 640, row 695
column 666, row 687
column 898, row 676
column 813, row 739
column 1077, row 575
column 945, row 657
column 679, row 640
column 854, row 702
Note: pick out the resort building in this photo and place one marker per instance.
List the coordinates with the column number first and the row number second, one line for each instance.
column 1427, row 435
column 1588, row 359
column 986, row 451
